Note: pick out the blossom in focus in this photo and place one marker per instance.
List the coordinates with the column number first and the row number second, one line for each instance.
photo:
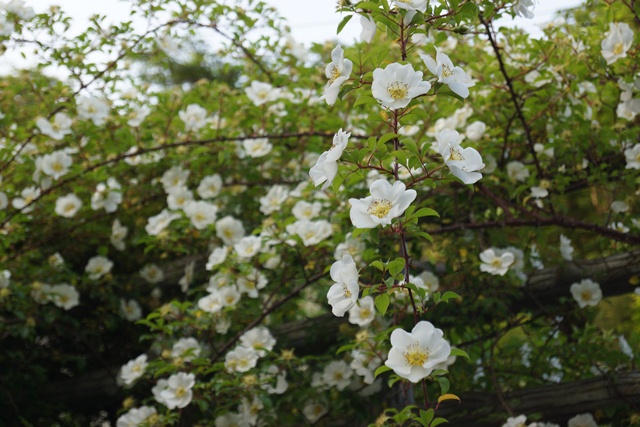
column 385, row 203
column 363, row 312
column 463, row 163
column 396, row 85
column 343, row 294
column 133, row 369
column 326, row 168
column 496, row 264
column 178, row 392
column 337, row 71
column 414, row 354
column 586, row 292
column 617, row 42
column 458, row 81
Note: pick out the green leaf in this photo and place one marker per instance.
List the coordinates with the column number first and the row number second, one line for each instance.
column 344, row 22
column 382, row 369
column 450, row 295
column 365, row 100
column 358, row 231
column 396, row 266
column 427, row 212
column 387, row 137
column 427, row 415
column 369, row 5
column 438, row 421
column 382, row 303
column 458, row 352
column 377, row 264
column 444, row 385
column 344, row 348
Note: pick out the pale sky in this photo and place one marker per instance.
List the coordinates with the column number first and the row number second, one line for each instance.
column 310, row 20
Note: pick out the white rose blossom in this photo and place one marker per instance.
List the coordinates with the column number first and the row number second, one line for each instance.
column 415, row 354
column 458, row 81
column 463, row 163
column 385, row 203
column 396, row 85
column 586, row 292
column 343, row 294
column 617, row 42
column 326, row 168
column 337, row 71
column 496, row 264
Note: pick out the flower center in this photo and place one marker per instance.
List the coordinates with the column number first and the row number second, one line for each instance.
column 446, row 71
column 379, row 208
column 347, row 293
column 585, row 295
column 415, row 355
column 496, row 263
column 618, row 49
column 69, row 207
column 365, row 312
column 180, row 392
column 335, row 73
column 454, row 154
column 398, row 90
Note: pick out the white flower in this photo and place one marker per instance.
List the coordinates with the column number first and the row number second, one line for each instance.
column 257, row 147
column 186, row 349
column 267, row 379
column 343, row 294
column 230, row 230
column 458, row 81
column 67, row 206
column 64, row 296
column 368, row 28
column 157, row 390
column 18, row 8
column 385, row 203
column 252, row 283
column 57, row 128
column 337, row 71
column 305, row 210
column 185, row 281
column 133, row 369
column 6, row 27
column 496, row 264
column 259, row 339
column 107, row 196
column 365, row 364
column 137, row 115
column 201, row 213
column 5, row 275
column 313, row 411
column 179, row 197
column 625, row 348
column 174, row 178
column 326, row 167
column 240, row 359
column 229, row 296
column 248, row 246
column 617, row 42
column 93, row 109
column 260, row 93
column 130, row 309
column 414, row 355
column 311, row 232
column 517, row 171
column 118, row 234
column 194, row 117
column 582, row 420
column 337, row 374
column 157, row 223
column 211, row 303
column 363, row 312
column 352, row 246
column 4, row 201
column 587, row 292
column 475, row 130
column 273, row 200
column 463, row 163
column 98, row 266
column 396, row 85
column 419, row 5
column 519, row 421
column 539, row 192
column 136, row 416
column 217, row 257
column 619, row 206
column 632, row 156
column 25, row 203
column 210, row 186
column 178, row 393
column 524, row 8
column 152, row 273
column 566, row 250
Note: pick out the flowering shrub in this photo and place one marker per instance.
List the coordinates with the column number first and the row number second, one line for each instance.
column 345, row 235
